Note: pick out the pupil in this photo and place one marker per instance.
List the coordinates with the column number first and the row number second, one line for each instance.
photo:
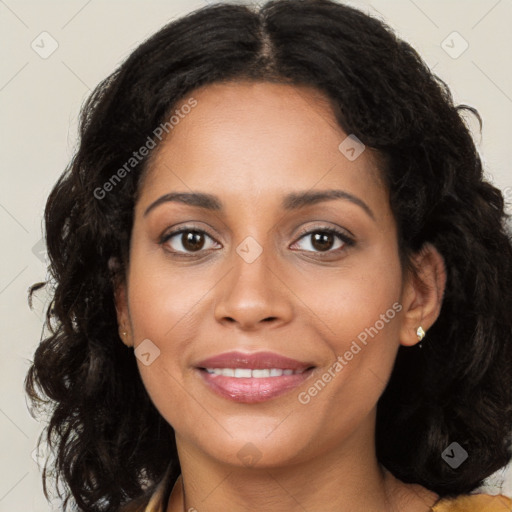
column 192, row 241
column 322, row 241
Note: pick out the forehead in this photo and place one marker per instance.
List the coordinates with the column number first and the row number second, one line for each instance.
column 258, row 138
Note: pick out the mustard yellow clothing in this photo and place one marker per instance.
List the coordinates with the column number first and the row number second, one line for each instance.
column 475, row 503
column 466, row 503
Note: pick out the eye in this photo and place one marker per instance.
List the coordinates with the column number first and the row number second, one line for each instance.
column 188, row 240
column 324, row 240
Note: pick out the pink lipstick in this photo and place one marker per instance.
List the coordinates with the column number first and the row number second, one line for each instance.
column 252, row 378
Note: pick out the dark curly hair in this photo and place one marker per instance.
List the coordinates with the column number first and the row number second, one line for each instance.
column 111, row 444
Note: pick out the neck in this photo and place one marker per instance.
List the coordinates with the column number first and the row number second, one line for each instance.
column 344, row 478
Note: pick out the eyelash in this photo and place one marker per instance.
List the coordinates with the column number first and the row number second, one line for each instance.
column 345, row 239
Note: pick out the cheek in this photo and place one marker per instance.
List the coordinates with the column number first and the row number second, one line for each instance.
column 164, row 300
column 163, row 312
column 362, row 311
column 356, row 300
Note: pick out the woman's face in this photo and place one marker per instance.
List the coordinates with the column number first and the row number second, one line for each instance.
column 245, row 277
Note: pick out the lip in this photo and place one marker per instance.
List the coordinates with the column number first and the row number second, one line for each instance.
column 263, row 360
column 253, row 390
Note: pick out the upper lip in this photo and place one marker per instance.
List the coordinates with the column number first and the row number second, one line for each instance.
column 253, row 361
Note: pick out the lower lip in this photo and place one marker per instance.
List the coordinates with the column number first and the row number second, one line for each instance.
column 252, row 390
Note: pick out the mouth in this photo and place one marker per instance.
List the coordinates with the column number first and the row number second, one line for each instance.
column 252, row 378
column 257, row 373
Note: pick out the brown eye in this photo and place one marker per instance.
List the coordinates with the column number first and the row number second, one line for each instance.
column 192, row 240
column 322, row 241
column 186, row 241
column 327, row 240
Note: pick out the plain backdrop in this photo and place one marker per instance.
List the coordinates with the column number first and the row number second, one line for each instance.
column 54, row 53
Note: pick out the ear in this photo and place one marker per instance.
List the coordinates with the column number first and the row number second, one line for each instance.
column 120, row 299
column 422, row 297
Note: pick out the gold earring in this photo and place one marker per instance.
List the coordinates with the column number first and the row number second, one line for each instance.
column 125, row 341
column 420, row 333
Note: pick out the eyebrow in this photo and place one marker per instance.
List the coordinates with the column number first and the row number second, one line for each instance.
column 292, row 201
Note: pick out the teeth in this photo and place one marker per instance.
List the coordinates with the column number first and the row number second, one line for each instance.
column 242, row 372
column 247, row 373
column 257, row 374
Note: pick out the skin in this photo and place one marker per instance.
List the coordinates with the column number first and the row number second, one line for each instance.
column 249, row 144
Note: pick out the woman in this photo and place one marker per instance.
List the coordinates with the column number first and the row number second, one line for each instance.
column 283, row 217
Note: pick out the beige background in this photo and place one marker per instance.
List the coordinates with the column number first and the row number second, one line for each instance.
column 40, row 100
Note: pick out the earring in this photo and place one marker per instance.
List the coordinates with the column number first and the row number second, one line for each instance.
column 420, row 333
column 124, row 340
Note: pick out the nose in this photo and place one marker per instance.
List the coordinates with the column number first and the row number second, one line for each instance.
column 254, row 295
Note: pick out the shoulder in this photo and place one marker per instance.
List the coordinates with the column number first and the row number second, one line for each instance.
column 474, row 503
